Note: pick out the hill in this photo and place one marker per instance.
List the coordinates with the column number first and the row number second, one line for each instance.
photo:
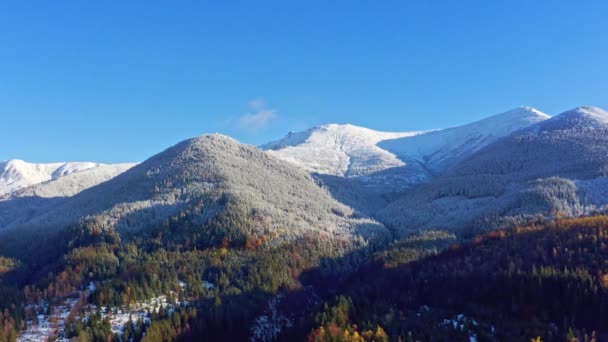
column 547, row 281
column 206, row 178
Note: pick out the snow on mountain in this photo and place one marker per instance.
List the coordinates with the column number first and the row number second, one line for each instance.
column 440, row 149
column 392, row 161
column 587, row 117
column 16, row 174
column 341, row 150
column 558, row 164
column 71, row 183
column 572, row 144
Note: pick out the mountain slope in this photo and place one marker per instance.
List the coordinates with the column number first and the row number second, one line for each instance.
column 205, row 178
column 452, row 295
column 559, row 164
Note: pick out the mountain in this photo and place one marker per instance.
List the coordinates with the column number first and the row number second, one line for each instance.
column 438, row 150
column 559, row 164
column 17, row 174
column 24, row 203
column 391, row 161
column 70, row 184
column 340, row 150
column 205, row 179
column 572, row 144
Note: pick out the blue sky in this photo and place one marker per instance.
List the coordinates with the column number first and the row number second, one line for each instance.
column 115, row 81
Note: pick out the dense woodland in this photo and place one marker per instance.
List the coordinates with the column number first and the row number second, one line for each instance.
column 246, row 271
column 546, row 280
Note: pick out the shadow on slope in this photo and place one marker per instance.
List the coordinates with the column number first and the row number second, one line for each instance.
column 502, row 286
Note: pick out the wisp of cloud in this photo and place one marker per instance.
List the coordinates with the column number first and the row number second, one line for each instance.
column 258, row 118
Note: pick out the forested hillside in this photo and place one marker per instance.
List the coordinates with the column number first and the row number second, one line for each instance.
column 209, row 230
column 547, row 281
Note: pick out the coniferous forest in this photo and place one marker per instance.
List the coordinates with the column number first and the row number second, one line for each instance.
column 540, row 281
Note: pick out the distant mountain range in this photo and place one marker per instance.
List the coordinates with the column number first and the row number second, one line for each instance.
column 339, row 180
column 17, row 174
column 396, row 158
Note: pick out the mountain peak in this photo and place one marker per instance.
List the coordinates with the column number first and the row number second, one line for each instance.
column 338, row 126
column 12, row 161
column 337, row 149
column 524, row 113
column 211, row 137
column 589, row 112
column 586, row 115
column 532, row 111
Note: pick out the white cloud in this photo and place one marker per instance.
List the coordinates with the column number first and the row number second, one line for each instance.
column 258, row 117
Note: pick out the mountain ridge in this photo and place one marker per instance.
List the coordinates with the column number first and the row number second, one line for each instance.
column 556, row 165
column 393, row 161
column 16, row 174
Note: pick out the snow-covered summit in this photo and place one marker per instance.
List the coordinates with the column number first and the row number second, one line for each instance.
column 442, row 148
column 583, row 115
column 16, row 174
column 71, row 183
column 347, row 150
column 342, row 150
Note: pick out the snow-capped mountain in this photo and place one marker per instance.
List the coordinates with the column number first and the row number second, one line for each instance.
column 558, row 164
column 573, row 144
column 341, row 150
column 17, row 174
column 70, row 184
column 395, row 159
column 513, row 164
column 438, row 150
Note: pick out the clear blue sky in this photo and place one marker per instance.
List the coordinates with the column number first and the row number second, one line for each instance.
column 115, row 81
